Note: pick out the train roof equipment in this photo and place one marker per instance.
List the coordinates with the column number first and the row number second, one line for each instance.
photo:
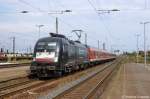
column 57, row 35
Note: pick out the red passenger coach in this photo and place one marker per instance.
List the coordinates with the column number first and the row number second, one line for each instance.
column 2, row 57
column 96, row 55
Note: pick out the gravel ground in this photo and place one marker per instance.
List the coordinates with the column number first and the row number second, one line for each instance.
column 14, row 72
column 53, row 86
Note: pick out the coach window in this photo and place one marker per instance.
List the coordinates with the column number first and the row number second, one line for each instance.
column 71, row 51
column 65, row 48
column 82, row 52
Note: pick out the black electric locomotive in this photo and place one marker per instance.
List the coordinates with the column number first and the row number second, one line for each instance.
column 56, row 55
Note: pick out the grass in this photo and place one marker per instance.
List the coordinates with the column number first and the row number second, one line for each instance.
column 132, row 58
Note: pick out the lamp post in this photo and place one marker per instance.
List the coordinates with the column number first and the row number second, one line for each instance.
column 85, row 38
column 98, row 44
column 145, row 57
column 39, row 27
column 137, row 53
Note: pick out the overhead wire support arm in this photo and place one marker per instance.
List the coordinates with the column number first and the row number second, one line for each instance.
column 99, row 15
column 60, row 12
column 78, row 33
column 107, row 11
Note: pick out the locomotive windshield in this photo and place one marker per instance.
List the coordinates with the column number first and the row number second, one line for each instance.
column 46, row 46
column 46, row 51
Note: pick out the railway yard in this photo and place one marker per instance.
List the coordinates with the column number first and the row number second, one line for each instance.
column 74, row 49
column 20, row 86
column 111, row 80
column 66, row 69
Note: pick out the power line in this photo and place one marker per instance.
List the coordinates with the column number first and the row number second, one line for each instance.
column 100, row 18
column 59, row 3
column 98, row 15
column 63, row 6
column 98, row 3
column 81, row 22
column 26, row 3
column 42, row 11
column 69, row 25
column 145, row 5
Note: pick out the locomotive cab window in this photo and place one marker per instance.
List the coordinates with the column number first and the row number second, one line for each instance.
column 46, row 46
column 82, row 52
column 48, row 50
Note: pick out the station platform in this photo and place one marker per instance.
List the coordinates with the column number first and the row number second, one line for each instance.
column 132, row 81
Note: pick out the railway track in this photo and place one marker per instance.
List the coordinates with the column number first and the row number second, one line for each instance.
column 90, row 88
column 13, row 65
column 25, row 87
column 18, row 85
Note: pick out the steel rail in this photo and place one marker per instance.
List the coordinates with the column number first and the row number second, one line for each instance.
column 14, row 65
column 84, row 81
column 104, row 80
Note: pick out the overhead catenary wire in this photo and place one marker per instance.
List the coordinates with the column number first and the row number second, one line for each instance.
column 24, row 2
column 82, row 25
column 98, row 3
column 69, row 25
column 108, row 31
column 100, row 18
column 64, row 7
column 105, row 26
column 42, row 11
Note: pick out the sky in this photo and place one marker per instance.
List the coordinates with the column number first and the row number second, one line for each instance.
column 117, row 30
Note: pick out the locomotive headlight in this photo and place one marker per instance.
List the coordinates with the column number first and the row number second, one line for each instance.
column 56, row 59
column 57, row 51
column 56, row 54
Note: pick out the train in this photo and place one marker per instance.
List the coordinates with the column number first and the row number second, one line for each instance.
column 3, row 57
column 56, row 55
